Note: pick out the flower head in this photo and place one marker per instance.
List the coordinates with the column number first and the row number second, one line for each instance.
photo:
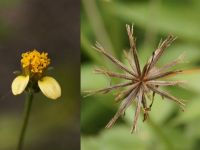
column 34, row 64
column 142, row 84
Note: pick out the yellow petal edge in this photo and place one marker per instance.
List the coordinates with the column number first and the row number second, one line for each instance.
column 19, row 84
column 50, row 87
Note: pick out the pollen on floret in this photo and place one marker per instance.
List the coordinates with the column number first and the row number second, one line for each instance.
column 35, row 61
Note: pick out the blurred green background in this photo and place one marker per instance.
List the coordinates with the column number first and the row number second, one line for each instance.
column 46, row 26
column 168, row 128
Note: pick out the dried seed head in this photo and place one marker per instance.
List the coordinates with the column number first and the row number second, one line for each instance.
column 142, row 83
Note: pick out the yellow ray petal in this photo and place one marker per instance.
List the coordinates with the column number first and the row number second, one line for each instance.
column 50, row 87
column 19, row 84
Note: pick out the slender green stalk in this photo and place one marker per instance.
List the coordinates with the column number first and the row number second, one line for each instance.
column 28, row 103
column 97, row 23
column 166, row 140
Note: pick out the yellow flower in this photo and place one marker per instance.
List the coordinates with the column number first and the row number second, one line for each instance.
column 32, row 79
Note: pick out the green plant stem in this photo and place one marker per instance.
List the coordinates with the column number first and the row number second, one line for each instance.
column 97, row 24
column 28, row 103
column 161, row 134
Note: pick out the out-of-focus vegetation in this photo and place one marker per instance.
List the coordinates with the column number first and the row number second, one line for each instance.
column 43, row 25
column 168, row 127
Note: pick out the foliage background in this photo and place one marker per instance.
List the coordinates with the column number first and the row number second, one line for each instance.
column 169, row 128
column 47, row 26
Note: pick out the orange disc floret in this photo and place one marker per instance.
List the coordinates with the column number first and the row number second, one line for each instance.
column 35, row 61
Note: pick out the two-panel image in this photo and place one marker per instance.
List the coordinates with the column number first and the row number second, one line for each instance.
column 99, row 75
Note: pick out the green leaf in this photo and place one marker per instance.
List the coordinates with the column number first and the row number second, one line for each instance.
column 168, row 18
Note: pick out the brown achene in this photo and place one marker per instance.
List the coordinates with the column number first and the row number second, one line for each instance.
column 142, row 84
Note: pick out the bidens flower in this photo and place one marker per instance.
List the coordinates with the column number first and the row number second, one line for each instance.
column 34, row 64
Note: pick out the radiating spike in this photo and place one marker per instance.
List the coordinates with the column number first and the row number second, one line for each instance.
column 100, row 49
column 133, row 48
column 108, row 89
column 167, row 95
column 124, row 105
column 137, row 112
column 113, row 74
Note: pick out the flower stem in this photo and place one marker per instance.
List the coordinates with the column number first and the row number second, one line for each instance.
column 28, row 103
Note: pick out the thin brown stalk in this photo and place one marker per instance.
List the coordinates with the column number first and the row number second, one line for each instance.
column 133, row 48
column 158, row 52
column 165, row 83
column 125, row 93
column 173, row 63
column 100, row 49
column 125, row 104
column 163, row 74
column 108, row 89
column 137, row 112
column 145, row 108
column 166, row 95
column 127, row 56
column 113, row 74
